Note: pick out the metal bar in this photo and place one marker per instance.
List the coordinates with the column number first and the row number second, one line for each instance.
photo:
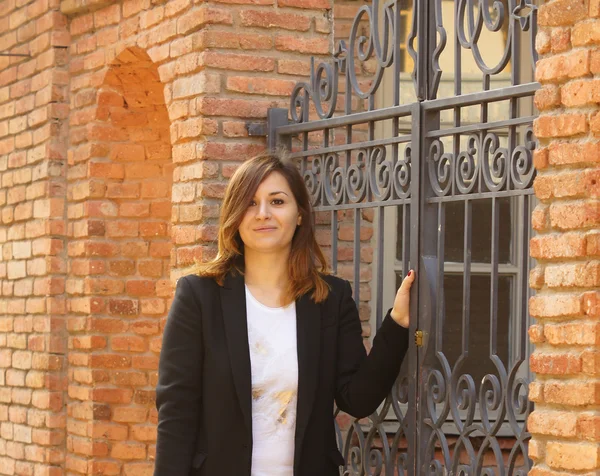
column 476, row 196
column 473, row 99
column 414, row 389
column 523, row 265
column 404, row 110
column 357, row 257
column 352, row 206
column 468, row 241
column 353, row 118
column 481, row 127
column 334, row 241
column 351, row 147
column 406, row 238
column 429, row 200
column 494, row 277
column 380, row 270
column 439, row 310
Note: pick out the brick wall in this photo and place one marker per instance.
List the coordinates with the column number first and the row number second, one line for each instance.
column 565, row 424
column 33, row 109
column 152, row 101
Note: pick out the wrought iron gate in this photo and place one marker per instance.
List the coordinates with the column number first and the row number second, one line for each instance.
column 417, row 162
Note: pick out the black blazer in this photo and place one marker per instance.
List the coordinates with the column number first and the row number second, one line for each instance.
column 204, row 396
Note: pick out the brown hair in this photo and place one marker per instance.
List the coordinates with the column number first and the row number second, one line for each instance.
column 306, row 261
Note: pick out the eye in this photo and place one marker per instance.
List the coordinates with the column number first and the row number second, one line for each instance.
column 277, row 201
column 252, row 203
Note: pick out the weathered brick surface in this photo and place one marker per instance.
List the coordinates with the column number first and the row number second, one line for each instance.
column 566, row 331
column 33, row 246
column 116, row 139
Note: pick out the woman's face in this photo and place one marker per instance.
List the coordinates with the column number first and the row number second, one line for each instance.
column 272, row 216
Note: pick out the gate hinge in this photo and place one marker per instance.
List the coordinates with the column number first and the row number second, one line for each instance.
column 419, row 338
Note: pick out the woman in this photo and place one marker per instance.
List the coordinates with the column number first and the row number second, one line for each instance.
column 258, row 345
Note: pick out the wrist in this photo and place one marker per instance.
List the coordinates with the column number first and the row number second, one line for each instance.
column 397, row 317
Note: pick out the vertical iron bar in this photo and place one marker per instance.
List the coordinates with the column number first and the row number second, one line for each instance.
column 439, row 309
column 357, row 256
column 423, row 57
column 468, row 240
column 334, row 241
column 406, row 258
column 414, row 401
column 494, row 277
column 523, row 282
column 380, row 271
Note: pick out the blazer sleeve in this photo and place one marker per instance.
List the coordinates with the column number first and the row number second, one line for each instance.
column 363, row 381
column 178, row 392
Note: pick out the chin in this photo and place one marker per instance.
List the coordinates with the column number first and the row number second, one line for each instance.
column 269, row 247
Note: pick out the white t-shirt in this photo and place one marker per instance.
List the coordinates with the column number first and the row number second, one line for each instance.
column 274, row 364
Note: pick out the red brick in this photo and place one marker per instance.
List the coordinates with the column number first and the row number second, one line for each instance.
column 140, row 288
column 547, row 97
column 107, row 16
column 540, row 158
column 562, row 125
column 561, row 39
column 558, row 68
column 241, row 108
column 110, row 361
column 572, row 455
column 572, row 153
column 274, row 19
column 123, row 307
column 112, row 395
column 206, row 14
column 236, row 62
column 586, row 33
column 309, row 4
column 569, row 334
column 578, row 93
column 122, row 229
column 555, row 305
column 555, row 364
column 575, row 215
column 229, row 40
column 553, row 423
column 562, row 12
column 572, row 393
column 128, row 344
column 581, row 274
column 318, row 46
column 263, row 86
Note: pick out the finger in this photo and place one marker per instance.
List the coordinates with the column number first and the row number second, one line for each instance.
column 408, row 280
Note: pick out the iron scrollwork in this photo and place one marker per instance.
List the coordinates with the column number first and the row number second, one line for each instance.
column 510, row 17
column 373, row 177
column 483, row 166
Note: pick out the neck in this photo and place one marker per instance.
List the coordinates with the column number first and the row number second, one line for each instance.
column 266, row 270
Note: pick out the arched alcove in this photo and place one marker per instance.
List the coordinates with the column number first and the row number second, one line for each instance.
column 129, row 214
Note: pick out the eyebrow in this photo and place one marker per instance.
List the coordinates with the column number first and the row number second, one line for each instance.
column 276, row 193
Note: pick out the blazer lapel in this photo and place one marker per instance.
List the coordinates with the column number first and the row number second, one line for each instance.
column 308, row 329
column 233, row 304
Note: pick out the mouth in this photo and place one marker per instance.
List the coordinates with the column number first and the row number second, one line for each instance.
column 265, row 228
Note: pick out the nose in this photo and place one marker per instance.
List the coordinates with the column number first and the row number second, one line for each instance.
column 263, row 211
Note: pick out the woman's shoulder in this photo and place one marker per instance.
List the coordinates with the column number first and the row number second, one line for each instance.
column 336, row 284
column 199, row 282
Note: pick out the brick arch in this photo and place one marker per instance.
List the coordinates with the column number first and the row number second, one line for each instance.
column 125, row 266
